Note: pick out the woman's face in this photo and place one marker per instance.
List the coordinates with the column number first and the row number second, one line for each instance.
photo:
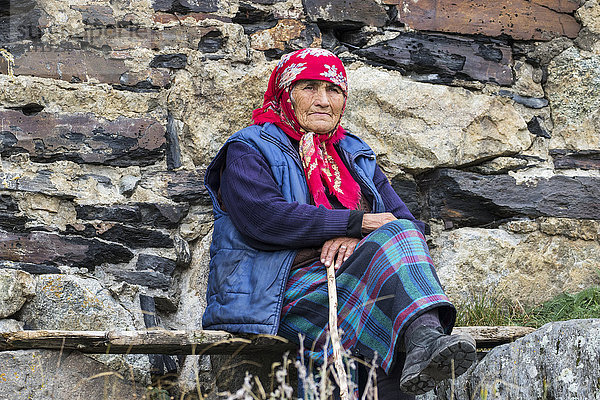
column 318, row 105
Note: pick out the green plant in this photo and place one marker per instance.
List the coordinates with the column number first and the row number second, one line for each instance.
column 585, row 304
column 490, row 309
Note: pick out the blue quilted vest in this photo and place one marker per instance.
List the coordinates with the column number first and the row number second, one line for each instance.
column 245, row 285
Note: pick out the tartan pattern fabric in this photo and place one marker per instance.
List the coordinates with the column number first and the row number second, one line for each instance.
column 386, row 283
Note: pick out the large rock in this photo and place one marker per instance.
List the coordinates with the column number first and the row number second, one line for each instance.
column 15, row 288
column 558, row 361
column 415, row 126
column 51, row 375
column 527, row 261
column 71, row 302
column 58, row 96
column 11, row 325
column 573, row 89
column 215, row 100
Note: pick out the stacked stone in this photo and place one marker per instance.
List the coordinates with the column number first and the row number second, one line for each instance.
column 484, row 115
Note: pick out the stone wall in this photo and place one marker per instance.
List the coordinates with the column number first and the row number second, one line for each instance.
column 484, row 117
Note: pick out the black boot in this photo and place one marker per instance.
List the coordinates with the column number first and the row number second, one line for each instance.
column 431, row 357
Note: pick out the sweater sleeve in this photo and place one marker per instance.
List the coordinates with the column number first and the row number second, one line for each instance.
column 392, row 201
column 261, row 213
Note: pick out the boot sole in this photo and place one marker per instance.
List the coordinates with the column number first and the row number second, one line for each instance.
column 461, row 349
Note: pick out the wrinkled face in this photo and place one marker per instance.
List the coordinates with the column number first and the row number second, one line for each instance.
column 318, row 105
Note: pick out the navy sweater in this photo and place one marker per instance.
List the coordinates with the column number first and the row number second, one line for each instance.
column 259, row 211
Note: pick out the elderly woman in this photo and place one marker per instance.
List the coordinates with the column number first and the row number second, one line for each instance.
column 294, row 193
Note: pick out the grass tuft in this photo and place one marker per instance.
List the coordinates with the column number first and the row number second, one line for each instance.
column 494, row 310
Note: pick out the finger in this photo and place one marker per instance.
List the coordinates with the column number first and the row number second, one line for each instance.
column 328, row 252
column 324, row 250
column 349, row 251
column 332, row 252
column 341, row 255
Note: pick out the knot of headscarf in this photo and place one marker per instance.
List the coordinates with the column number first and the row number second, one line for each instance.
column 322, row 164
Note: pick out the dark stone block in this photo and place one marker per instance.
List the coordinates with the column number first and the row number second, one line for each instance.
column 149, row 80
column 150, row 279
column 267, row 2
column 34, row 269
column 148, row 307
column 536, row 126
column 46, row 248
column 519, row 19
column 19, row 20
column 175, row 61
column 155, row 263
column 211, row 42
column 355, row 38
column 409, row 193
column 83, row 138
column 186, row 6
column 183, row 251
column 248, row 14
column 39, row 182
column 172, row 137
column 10, row 220
column 149, row 214
column 71, row 65
column 186, row 186
column 130, row 236
column 531, row 102
column 469, row 199
column 96, row 14
column 443, row 56
column 348, row 12
column 584, row 159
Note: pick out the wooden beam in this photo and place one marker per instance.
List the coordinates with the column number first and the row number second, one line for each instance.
column 492, row 336
column 161, row 341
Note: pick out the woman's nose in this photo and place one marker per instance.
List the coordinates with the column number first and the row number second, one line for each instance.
column 321, row 98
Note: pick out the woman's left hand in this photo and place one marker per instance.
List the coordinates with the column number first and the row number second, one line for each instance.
column 338, row 249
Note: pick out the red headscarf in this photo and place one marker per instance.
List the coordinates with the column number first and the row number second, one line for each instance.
column 321, row 162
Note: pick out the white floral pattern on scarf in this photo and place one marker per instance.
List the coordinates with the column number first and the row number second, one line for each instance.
column 314, row 51
column 335, row 76
column 290, row 73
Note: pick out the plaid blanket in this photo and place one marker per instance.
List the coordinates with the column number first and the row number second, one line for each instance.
column 386, row 283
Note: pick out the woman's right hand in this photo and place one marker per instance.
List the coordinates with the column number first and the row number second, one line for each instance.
column 372, row 222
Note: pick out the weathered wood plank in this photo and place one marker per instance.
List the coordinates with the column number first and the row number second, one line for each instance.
column 142, row 342
column 197, row 341
column 491, row 336
column 520, row 19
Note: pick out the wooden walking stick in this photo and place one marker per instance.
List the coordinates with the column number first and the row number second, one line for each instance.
column 334, row 333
